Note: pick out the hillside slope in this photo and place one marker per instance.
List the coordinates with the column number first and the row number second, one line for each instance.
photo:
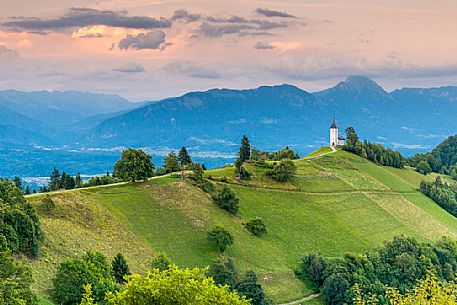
column 338, row 203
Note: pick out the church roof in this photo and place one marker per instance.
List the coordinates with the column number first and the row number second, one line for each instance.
column 341, row 138
column 333, row 124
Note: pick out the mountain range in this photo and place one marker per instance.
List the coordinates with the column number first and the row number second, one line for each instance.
column 212, row 122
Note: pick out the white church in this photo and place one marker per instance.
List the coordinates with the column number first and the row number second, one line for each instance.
column 335, row 139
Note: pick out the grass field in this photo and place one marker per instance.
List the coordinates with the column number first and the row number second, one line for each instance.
column 337, row 203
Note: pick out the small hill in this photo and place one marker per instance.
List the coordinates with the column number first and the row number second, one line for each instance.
column 337, row 203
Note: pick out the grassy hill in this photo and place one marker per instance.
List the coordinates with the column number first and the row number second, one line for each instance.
column 337, row 203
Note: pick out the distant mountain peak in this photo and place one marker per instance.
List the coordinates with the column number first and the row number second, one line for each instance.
column 358, row 84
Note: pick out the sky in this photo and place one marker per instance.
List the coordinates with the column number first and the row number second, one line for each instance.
column 152, row 49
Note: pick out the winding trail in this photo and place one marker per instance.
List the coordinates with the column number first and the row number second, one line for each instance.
column 305, row 299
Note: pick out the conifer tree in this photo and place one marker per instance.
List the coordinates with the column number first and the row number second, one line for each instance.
column 185, row 159
column 55, row 180
column 120, row 268
column 245, row 149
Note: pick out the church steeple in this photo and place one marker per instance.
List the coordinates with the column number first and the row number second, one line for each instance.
column 334, row 123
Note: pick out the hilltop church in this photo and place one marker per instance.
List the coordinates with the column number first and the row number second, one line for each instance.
column 335, row 139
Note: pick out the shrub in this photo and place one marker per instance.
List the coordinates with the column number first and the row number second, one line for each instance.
column 311, row 270
column 222, row 271
column 227, row 200
column 174, row 287
column 48, row 204
column 221, row 237
column 256, row 226
column 249, row 287
column 161, row 262
column 283, row 171
column 93, row 268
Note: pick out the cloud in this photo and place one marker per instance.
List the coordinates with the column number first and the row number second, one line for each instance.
column 7, row 53
column 130, row 68
column 184, row 15
column 84, row 17
column 220, row 26
column 192, row 69
column 263, row 46
column 410, row 146
column 151, row 40
column 271, row 13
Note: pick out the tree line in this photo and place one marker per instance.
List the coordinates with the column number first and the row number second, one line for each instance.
column 398, row 264
column 372, row 151
column 442, row 193
column 442, row 159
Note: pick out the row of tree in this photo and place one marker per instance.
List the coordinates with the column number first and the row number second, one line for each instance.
column 91, row 279
column 398, row 264
column 372, row 151
column 442, row 193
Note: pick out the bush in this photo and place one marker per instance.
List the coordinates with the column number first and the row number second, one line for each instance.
column 15, row 281
column 48, row 204
column 221, row 237
column 93, row 268
column 227, row 200
column 283, row 171
column 256, row 226
column 174, row 287
column 249, row 287
column 223, row 272
column 161, row 262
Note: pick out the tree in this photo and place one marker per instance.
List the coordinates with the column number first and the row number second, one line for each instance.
column 19, row 222
column 245, row 149
column 249, row 287
column 93, row 268
column 120, row 268
column 78, row 181
column 283, row 171
column 134, row 165
column 334, row 289
column 223, row 271
column 227, row 200
column 312, row 270
column 184, row 159
column 174, row 287
column 27, row 190
column 161, row 262
column 256, row 226
column 423, row 167
column 221, row 237
column 352, row 139
column 15, row 281
column 18, row 182
column 170, row 163
column 55, row 180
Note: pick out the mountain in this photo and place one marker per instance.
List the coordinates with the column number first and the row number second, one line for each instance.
column 62, row 108
column 276, row 116
column 339, row 203
column 17, row 130
column 216, row 119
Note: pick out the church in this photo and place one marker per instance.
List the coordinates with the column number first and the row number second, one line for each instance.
column 335, row 139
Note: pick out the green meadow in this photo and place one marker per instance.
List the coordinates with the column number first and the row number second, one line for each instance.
column 337, row 203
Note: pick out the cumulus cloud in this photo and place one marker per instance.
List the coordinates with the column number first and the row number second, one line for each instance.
column 271, row 13
column 264, row 46
column 130, row 68
column 192, row 69
column 84, row 17
column 151, row 40
column 184, row 15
